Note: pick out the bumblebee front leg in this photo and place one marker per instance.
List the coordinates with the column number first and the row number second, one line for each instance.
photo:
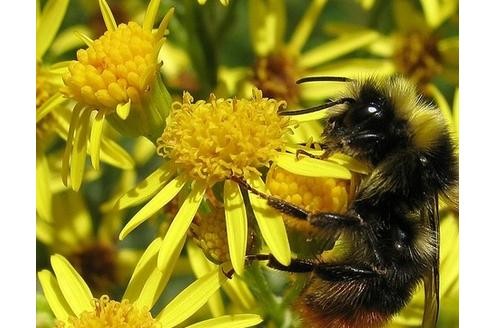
column 295, row 266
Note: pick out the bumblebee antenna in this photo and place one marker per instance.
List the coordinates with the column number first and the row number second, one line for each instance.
column 324, row 79
column 316, row 108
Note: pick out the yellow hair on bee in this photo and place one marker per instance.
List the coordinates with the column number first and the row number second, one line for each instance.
column 425, row 121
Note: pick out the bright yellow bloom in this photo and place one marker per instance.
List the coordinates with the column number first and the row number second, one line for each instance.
column 116, row 77
column 74, row 305
column 205, row 143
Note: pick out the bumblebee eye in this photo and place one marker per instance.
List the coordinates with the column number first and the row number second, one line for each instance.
column 362, row 112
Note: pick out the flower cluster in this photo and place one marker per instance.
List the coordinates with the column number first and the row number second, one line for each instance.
column 163, row 146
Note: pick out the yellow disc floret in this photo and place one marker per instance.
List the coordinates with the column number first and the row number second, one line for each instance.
column 112, row 314
column 116, row 68
column 210, row 234
column 314, row 194
column 213, row 140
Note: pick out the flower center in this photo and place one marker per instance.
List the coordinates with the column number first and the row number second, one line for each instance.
column 97, row 265
column 116, row 67
column 210, row 141
column 417, row 56
column 311, row 193
column 112, row 314
column 276, row 76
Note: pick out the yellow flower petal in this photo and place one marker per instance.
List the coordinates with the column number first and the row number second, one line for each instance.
column 266, row 24
column 148, row 187
column 157, row 279
column 51, row 17
column 150, row 15
column 123, row 110
column 113, row 154
column 43, row 192
column 191, row 299
column 78, row 158
column 95, row 139
column 271, row 223
column 431, row 9
column 162, row 28
column 349, row 162
column 236, row 223
column 70, row 141
column 337, row 48
column 108, row 18
column 49, row 105
column 180, row 224
column 230, row 321
column 201, row 267
column 84, row 38
column 305, row 26
column 54, row 295
column 312, row 167
column 143, row 269
column 382, row 46
column 72, row 286
column 156, row 203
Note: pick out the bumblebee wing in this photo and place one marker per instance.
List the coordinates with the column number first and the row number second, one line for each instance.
column 431, row 279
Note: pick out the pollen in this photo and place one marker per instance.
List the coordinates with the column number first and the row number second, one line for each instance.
column 209, row 232
column 211, row 141
column 314, row 194
column 112, row 314
column 116, row 68
column 416, row 55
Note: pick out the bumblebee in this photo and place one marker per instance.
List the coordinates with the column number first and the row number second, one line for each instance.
column 392, row 222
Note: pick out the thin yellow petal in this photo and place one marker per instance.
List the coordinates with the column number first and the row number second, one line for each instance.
column 49, row 105
column 230, row 321
column 305, row 26
column 156, row 203
column 349, row 162
column 150, row 16
column 143, row 269
column 201, row 267
column 162, row 28
column 72, row 285
column 95, row 139
column 51, row 17
column 108, row 18
column 337, row 48
column 123, row 110
column 266, row 24
column 271, row 223
column 237, row 290
column 237, row 225
column 157, row 280
column 148, row 187
column 54, row 295
column 382, row 46
column 191, row 299
column 70, row 141
column 312, row 167
column 113, row 154
column 78, row 158
column 180, row 224
column 43, row 192
column 431, row 9
column 84, row 38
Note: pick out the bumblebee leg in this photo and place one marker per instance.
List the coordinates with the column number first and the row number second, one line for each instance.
column 296, row 265
column 324, row 155
column 345, row 272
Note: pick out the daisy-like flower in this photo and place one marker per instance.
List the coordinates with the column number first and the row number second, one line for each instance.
column 417, row 48
column 93, row 251
column 73, row 303
column 117, row 78
column 207, row 143
column 279, row 63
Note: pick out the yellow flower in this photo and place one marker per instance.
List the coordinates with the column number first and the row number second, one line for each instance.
column 116, row 76
column 279, row 63
column 206, row 143
column 73, row 303
column 69, row 231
